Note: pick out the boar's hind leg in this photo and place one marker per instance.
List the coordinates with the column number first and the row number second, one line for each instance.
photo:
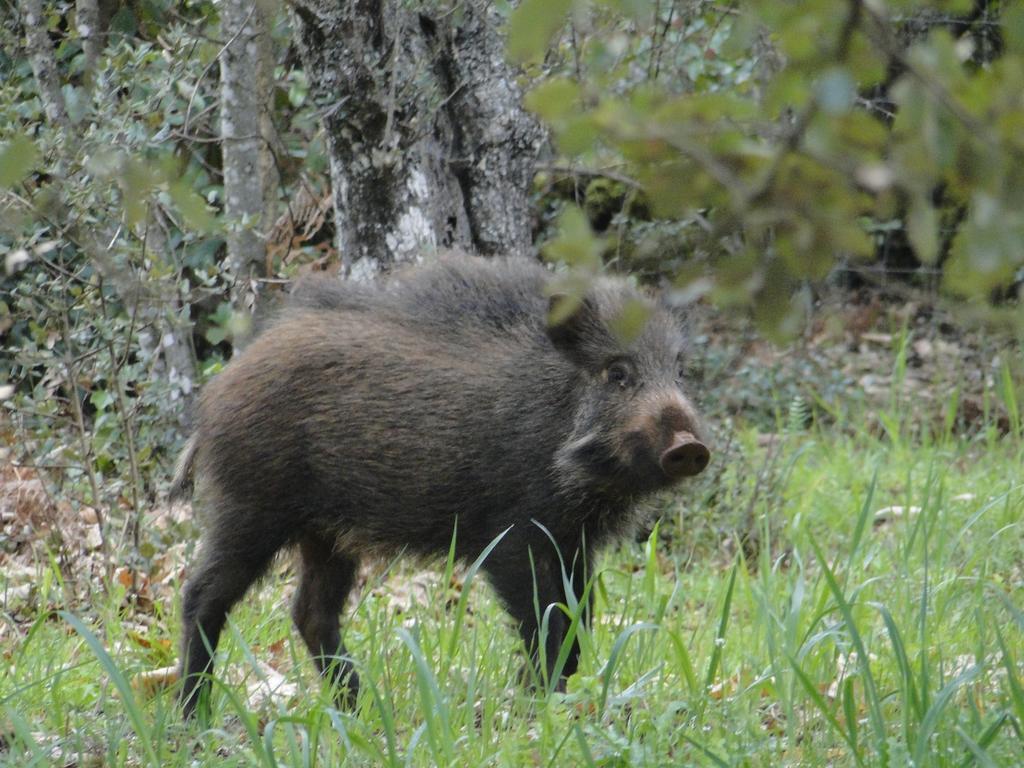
column 226, row 570
column 327, row 578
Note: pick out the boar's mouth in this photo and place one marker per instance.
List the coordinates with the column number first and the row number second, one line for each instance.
column 631, row 465
column 679, row 456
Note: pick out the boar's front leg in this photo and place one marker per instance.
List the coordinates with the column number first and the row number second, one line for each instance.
column 579, row 565
column 527, row 593
column 327, row 578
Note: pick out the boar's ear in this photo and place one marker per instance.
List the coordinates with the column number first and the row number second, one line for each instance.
column 675, row 304
column 569, row 319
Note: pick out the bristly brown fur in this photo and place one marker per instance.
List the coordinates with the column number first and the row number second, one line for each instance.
column 387, row 418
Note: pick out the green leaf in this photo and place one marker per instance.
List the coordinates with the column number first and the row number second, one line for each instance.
column 923, row 230
column 76, row 102
column 192, row 207
column 640, row 11
column 741, row 36
column 575, row 244
column 577, row 135
column 215, row 334
column 986, row 251
column 16, row 159
column 629, row 323
column 866, row 65
column 835, row 91
column 532, row 26
column 788, row 90
column 554, row 99
column 101, row 398
column 137, row 181
column 1013, row 27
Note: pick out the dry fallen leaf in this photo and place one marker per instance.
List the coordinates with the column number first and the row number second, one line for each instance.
column 149, row 683
column 877, row 338
column 724, row 688
column 888, row 514
column 93, row 539
column 268, row 686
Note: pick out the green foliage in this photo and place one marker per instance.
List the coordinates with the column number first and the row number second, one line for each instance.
column 773, row 121
column 533, row 25
column 17, row 158
column 113, row 241
column 740, row 149
column 848, row 639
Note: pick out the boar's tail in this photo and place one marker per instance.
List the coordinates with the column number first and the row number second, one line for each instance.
column 181, row 485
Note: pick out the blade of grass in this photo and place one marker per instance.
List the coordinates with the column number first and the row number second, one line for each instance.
column 723, row 623
column 23, row 733
column 613, row 658
column 558, row 750
column 134, row 711
column 460, row 610
column 986, row 738
column 850, row 711
column 651, row 564
column 584, row 748
column 387, row 717
column 575, row 613
column 823, row 707
column 862, row 520
column 685, row 663
column 977, row 751
column 1008, row 391
column 1016, row 689
column 435, row 708
column 931, row 717
column 870, row 690
column 899, row 651
column 706, row 752
column 247, row 719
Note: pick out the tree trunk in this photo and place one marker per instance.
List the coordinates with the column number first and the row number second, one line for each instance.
column 245, row 94
column 44, row 66
column 429, row 146
column 88, row 23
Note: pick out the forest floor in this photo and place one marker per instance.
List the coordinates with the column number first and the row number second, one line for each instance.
column 845, row 586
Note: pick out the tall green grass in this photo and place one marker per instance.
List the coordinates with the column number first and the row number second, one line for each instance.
column 846, row 638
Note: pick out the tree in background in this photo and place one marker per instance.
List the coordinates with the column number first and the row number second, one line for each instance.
column 742, row 152
column 429, row 145
column 246, row 87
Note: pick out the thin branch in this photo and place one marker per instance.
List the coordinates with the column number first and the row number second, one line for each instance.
column 606, row 173
column 796, row 134
column 896, row 52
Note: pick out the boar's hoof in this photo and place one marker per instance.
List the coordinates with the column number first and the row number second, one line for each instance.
column 686, row 457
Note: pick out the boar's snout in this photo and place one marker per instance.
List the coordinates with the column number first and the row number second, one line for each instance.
column 687, row 456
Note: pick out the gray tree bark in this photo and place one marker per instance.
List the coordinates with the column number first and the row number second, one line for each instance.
column 429, row 145
column 88, row 24
column 247, row 163
column 44, row 67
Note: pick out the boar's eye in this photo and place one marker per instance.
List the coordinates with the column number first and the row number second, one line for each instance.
column 619, row 373
column 680, row 371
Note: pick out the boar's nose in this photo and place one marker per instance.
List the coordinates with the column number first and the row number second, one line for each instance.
column 687, row 456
